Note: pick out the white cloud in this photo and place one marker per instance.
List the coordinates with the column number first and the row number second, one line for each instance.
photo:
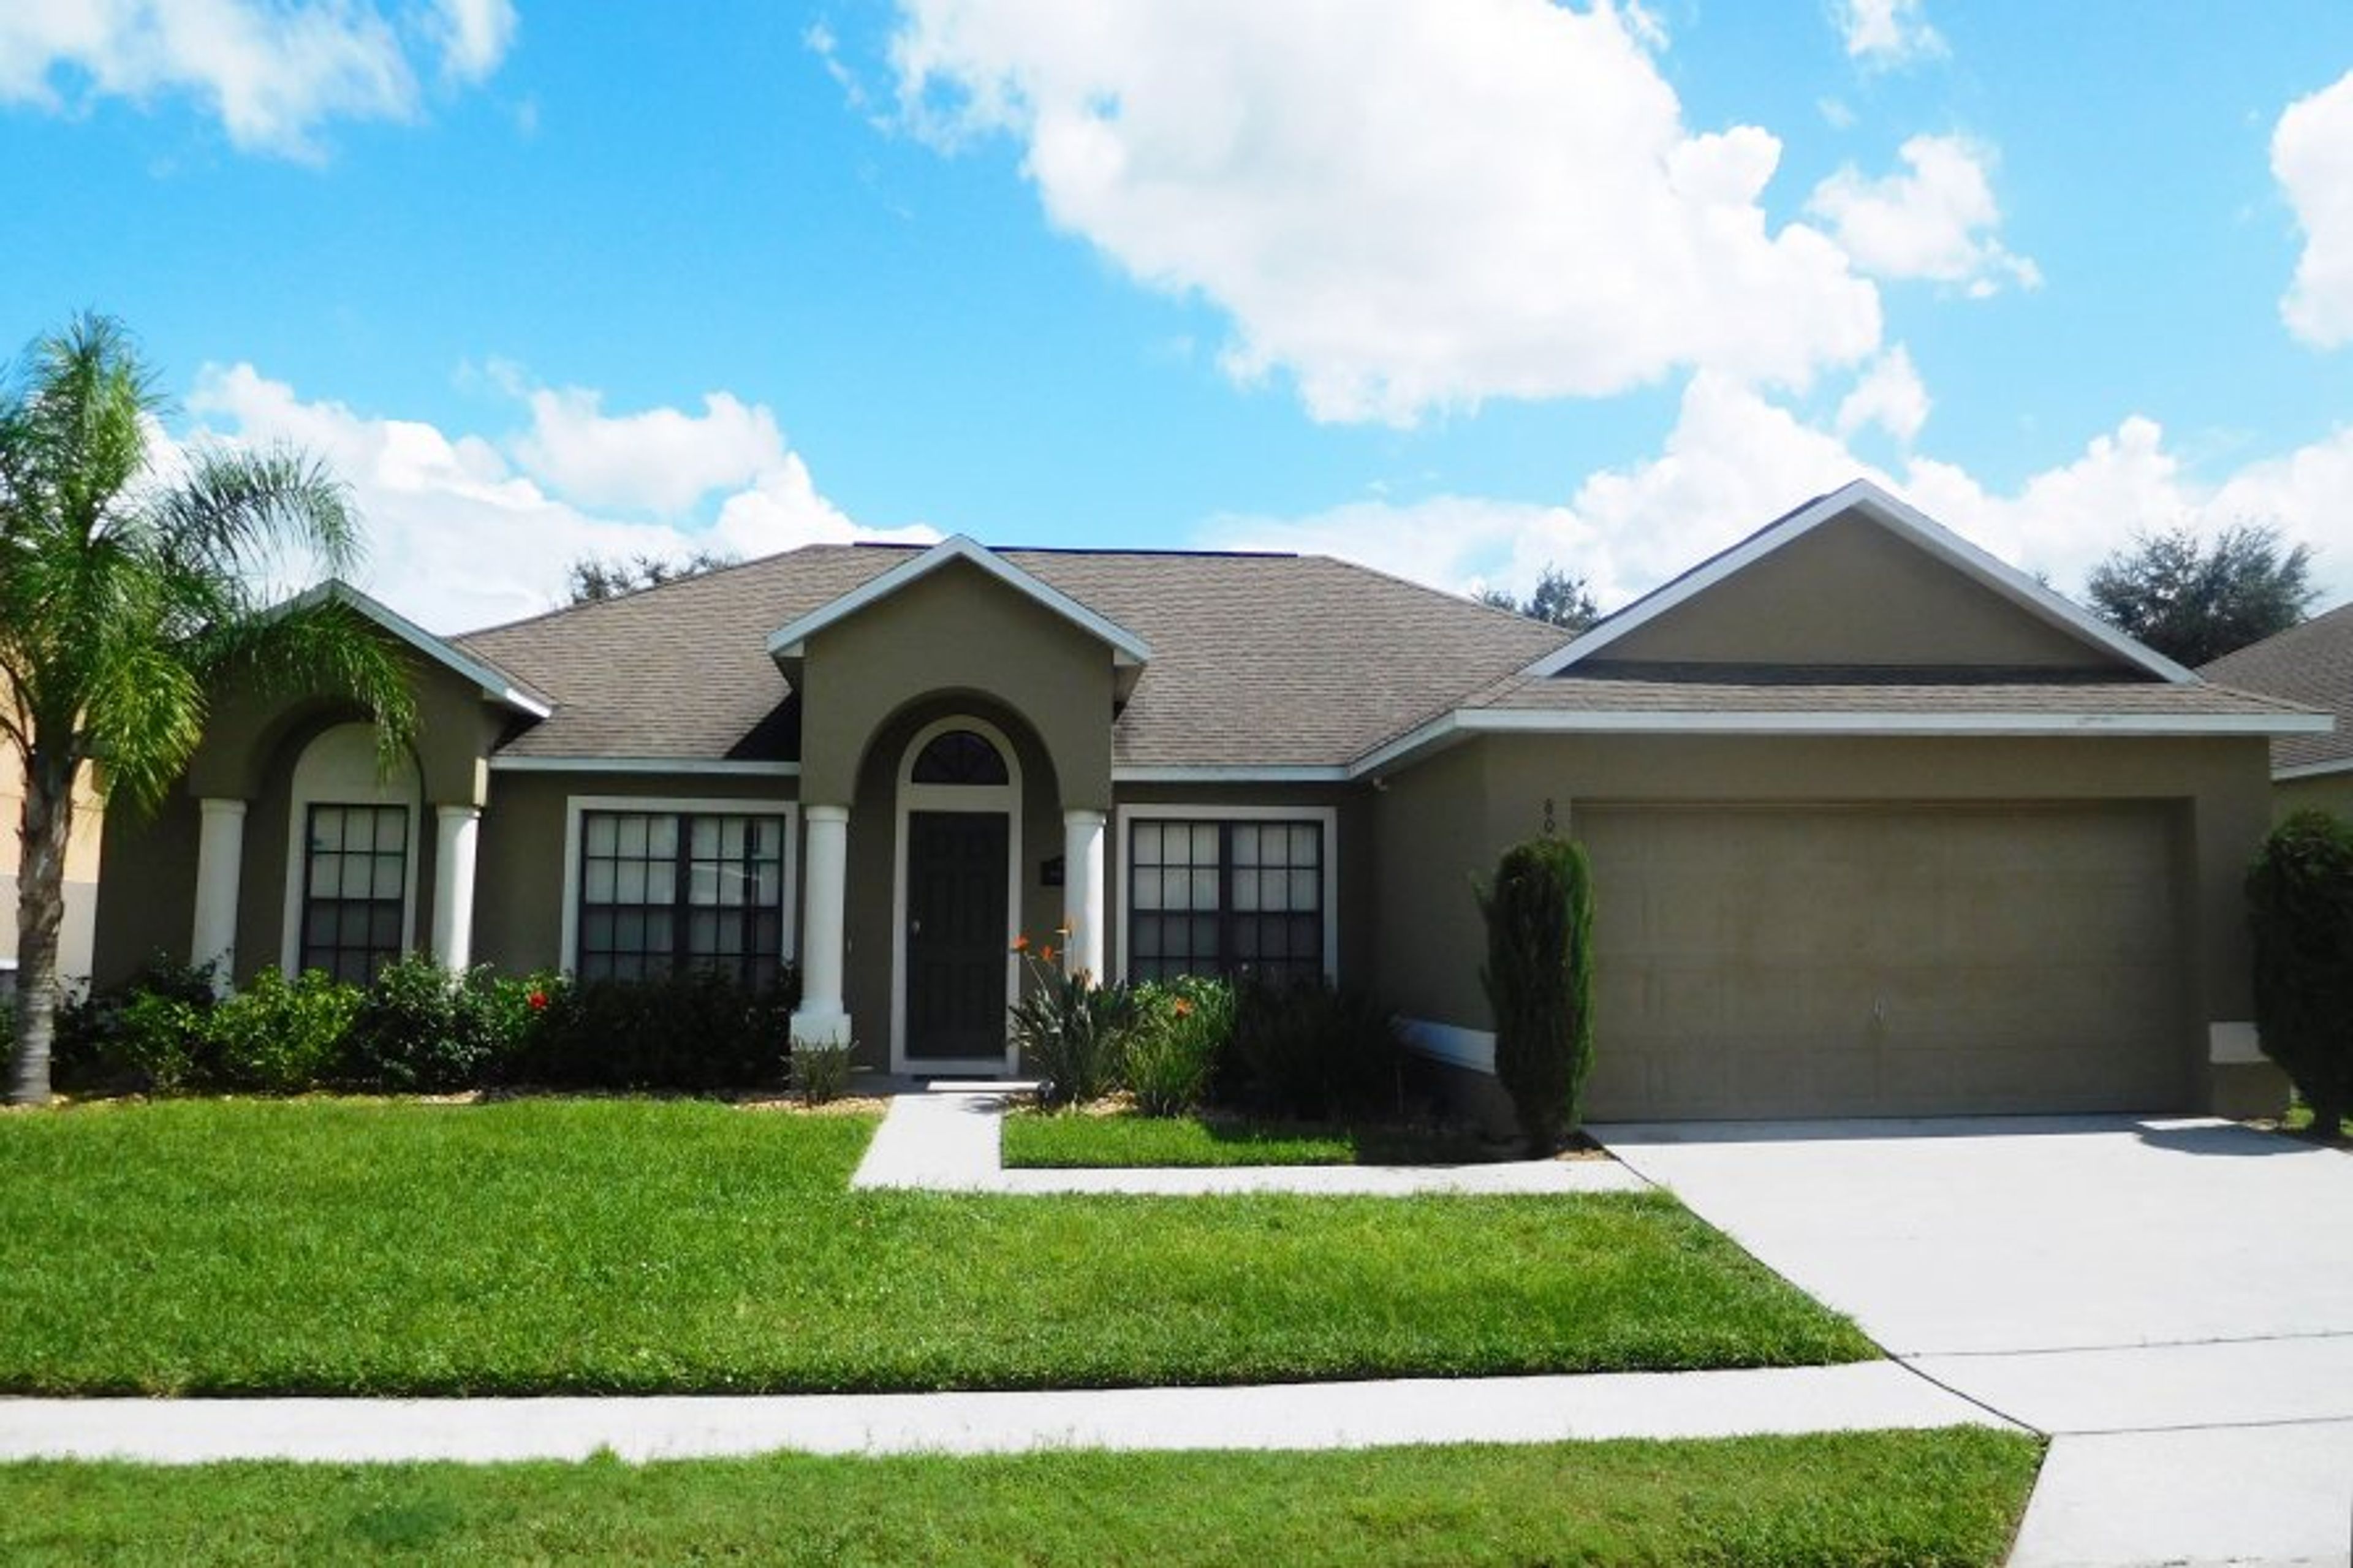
column 1407, row 206
column 271, row 72
column 1886, row 32
column 2312, row 158
column 1935, row 222
column 658, row 459
column 1889, row 394
column 1735, row 460
column 473, row 35
column 460, row 536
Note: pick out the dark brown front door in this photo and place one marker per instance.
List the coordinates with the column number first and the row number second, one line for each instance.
column 956, row 939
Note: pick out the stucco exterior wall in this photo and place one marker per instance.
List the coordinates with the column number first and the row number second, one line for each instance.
column 2332, row 792
column 956, row 631
column 1852, row 592
column 1450, row 817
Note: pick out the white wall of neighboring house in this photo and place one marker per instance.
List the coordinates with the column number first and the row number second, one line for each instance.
column 81, row 872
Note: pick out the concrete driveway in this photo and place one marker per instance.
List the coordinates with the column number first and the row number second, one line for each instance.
column 2171, row 1300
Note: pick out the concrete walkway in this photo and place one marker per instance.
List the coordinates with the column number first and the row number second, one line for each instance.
column 947, row 1140
column 1869, row 1397
column 2170, row 1299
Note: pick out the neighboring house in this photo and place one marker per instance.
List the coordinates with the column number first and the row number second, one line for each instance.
column 1879, row 825
column 81, row 873
column 2310, row 664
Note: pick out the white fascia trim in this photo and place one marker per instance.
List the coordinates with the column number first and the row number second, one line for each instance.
column 575, row 806
column 2313, row 770
column 1450, row 1043
column 1468, row 722
column 1232, row 773
column 786, row 641
column 493, row 684
column 1862, row 495
column 705, row 767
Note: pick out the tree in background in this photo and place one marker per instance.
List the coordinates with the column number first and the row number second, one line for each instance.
column 2300, row 903
column 1560, row 600
column 593, row 578
column 2194, row 604
column 129, row 590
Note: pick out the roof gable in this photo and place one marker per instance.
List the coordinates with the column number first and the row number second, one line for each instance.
column 494, row 683
column 789, row 641
column 1908, row 592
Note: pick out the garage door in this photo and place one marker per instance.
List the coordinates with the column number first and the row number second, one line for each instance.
column 1885, row 960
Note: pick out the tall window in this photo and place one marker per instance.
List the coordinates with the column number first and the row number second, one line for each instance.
column 354, row 889
column 1226, row 898
column 664, row 893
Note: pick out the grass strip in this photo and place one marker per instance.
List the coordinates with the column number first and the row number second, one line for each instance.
column 1082, row 1140
column 1853, row 1501
column 326, row 1247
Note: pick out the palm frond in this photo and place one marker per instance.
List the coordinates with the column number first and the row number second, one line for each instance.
column 237, row 511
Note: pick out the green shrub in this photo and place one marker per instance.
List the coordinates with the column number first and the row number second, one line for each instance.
column 701, row 1030
column 422, row 1029
column 1309, row 1051
column 2300, row 903
column 1071, row 1032
column 277, row 1036
column 1184, row 1030
column 820, row 1071
column 142, row 1038
column 1539, row 981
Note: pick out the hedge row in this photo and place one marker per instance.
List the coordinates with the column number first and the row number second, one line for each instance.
column 419, row 1029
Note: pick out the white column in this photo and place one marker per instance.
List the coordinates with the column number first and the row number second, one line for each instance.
column 456, row 828
column 1082, row 891
column 819, row 1019
column 220, row 860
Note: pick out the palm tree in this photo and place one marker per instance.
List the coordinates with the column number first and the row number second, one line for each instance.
column 130, row 590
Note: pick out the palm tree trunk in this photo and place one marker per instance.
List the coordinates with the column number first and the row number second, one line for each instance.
column 40, row 912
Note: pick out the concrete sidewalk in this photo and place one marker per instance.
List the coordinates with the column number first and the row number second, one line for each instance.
column 947, row 1140
column 1867, row 1397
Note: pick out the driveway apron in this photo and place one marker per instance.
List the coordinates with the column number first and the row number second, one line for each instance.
column 2171, row 1300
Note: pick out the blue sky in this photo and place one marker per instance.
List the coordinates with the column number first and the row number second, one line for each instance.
column 1454, row 287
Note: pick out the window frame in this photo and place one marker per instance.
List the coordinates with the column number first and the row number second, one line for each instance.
column 1327, row 818
column 404, row 903
column 577, row 807
column 338, row 766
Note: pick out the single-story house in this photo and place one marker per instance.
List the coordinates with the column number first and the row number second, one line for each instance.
column 2310, row 664
column 1879, row 825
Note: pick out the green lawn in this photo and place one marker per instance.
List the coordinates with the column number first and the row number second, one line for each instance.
column 1913, row 1497
column 1070, row 1139
column 622, row 1245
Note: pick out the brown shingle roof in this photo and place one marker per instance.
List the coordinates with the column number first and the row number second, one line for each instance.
column 1751, row 689
column 2310, row 664
column 1256, row 659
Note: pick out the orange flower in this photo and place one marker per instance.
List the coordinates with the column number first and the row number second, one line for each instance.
column 1020, row 945
column 1182, row 1007
column 1045, row 954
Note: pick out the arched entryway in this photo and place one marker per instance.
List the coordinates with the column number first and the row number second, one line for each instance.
column 957, row 899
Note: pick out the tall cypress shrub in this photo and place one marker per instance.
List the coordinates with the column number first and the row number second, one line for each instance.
column 2300, row 902
column 1539, row 980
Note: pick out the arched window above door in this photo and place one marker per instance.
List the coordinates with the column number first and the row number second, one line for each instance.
column 959, row 757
